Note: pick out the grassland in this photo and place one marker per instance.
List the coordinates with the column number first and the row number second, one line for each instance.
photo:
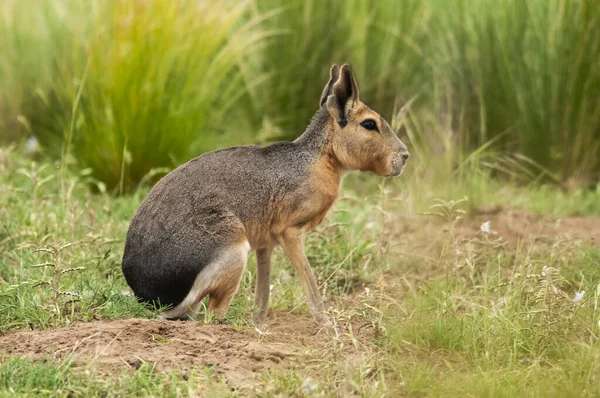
column 496, row 101
column 449, row 310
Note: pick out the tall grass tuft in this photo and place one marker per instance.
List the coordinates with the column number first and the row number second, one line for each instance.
column 156, row 80
column 35, row 39
column 527, row 73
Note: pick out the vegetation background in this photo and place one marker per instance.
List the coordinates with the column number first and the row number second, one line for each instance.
column 124, row 87
column 497, row 101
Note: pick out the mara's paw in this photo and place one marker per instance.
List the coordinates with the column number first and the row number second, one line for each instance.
column 259, row 319
column 328, row 324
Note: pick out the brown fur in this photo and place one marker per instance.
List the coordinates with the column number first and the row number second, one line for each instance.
column 191, row 235
column 223, row 290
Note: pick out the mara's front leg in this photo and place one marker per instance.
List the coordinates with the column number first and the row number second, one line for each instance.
column 263, row 279
column 292, row 241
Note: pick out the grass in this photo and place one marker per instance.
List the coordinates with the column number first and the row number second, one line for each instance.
column 23, row 378
column 123, row 88
column 536, row 96
column 455, row 313
column 499, row 321
column 51, row 240
column 480, row 333
column 127, row 80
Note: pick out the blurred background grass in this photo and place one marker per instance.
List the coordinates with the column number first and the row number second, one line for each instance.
column 125, row 87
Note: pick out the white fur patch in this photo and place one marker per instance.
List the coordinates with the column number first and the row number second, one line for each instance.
column 235, row 257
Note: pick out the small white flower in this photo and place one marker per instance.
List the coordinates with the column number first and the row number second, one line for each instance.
column 284, row 276
column 545, row 270
column 32, row 145
column 579, row 296
column 367, row 291
column 308, row 385
column 485, row 227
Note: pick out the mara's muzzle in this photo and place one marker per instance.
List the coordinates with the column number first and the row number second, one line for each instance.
column 398, row 163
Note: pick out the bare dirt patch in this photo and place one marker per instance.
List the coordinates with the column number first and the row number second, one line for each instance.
column 420, row 241
column 516, row 226
column 127, row 343
column 513, row 226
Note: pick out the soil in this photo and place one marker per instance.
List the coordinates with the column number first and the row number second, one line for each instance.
column 419, row 241
column 242, row 355
column 513, row 227
column 239, row 356
column 516, row 226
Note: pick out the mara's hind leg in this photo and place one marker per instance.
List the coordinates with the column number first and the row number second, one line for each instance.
column 191, row 312
column 226, row 286
column 220, row 279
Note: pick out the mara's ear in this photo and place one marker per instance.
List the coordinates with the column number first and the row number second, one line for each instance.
column 334, row 75
column 344, row 95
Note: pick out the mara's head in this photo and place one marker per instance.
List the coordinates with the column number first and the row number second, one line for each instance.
column 360, row 138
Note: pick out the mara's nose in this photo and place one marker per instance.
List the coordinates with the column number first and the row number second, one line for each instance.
column 405, row 156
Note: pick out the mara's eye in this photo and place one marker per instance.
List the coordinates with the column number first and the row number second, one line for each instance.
column 369, row 124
